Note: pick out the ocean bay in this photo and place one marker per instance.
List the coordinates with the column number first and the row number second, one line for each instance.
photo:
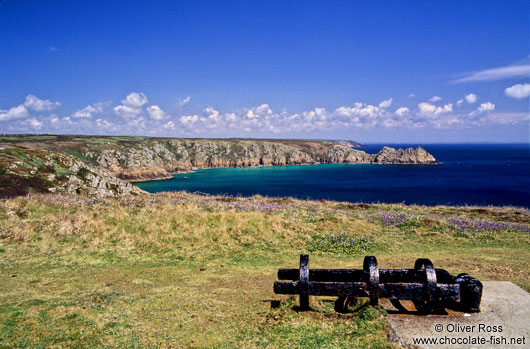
column 471, row 174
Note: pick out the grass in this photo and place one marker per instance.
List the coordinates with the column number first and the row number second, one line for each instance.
column 185, row 270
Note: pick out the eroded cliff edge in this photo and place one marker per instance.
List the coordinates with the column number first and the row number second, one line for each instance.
column 161, row 159
column 111, row 162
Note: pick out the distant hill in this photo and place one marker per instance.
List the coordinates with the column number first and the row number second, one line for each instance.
column 102, row 166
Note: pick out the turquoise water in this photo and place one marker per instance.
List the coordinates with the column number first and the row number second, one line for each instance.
column 471, row 174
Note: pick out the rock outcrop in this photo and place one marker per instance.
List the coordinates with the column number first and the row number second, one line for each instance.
column 23, row 171
column 161, row 159
column 389, row 155
column 102, row 166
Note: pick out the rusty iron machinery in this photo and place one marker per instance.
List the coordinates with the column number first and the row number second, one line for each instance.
column 431, row 290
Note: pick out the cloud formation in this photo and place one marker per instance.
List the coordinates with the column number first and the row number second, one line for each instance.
column 183, row 101
column 132, row 105
column 430, row 110
column 518, row 91
column 471, row 98
column 36, row 124
column 89, row 111
column 37, row 104
column 137, row 115
column 156, row 113
column 170, row 125
column 435, row 99
column 506, row 118
column 386, row 104
column 402, row 111
column 14, row 113
column 499, row 73
column 483, row 108
column 31, row 103
column 134, row 115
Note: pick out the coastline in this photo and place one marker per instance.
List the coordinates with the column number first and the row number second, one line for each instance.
column 159, row 178
column 466, row 178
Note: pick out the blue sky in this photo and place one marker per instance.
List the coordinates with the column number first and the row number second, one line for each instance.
column 372, row 71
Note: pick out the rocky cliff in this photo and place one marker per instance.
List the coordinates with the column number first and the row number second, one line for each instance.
column 23, row 171
column 389, row 155
column 102, row 165
column 161, row 159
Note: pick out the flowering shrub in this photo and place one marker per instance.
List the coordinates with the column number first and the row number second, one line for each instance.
column 404, row 220
column 469, row 226
column 387, row 218
column 459, row 225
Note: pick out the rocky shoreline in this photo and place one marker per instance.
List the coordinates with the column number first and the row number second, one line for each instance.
column 148, row 163
column 381, row 160
column 105, row 166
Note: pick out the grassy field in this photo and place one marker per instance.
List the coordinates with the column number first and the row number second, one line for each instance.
column 180, row 270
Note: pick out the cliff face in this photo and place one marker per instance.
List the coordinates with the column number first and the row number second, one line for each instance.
column 161, row 159
column 101, row 165
column 22, row 171
column 389, row 155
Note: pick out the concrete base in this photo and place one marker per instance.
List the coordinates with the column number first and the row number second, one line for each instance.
column 504, row 321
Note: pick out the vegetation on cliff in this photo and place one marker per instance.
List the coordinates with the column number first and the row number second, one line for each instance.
column 149, row 270
column 53, row 161
column 23, row 171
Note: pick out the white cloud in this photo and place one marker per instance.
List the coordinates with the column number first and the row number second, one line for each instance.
column 358, row 110
column 36, row 124
column 135, row 99
column 138, row 123
column 183, row 101
column 430, row 110
column 31, row 103
column 483, row 108
column 259, row 111
column 127, row 111
column 212, row 114
column 446, row 120
column 412, row 95
column 14, row 113
column 402, row 111
column 170, row 125
column 89, row 111
column 471, row 98
column 231, row 116
column 188, row 120
column 499, row 73
column 459, row 102
column 143, row 118
column 156, row 113
column 132, row 105
column 518, row 91
column 506, row 118
column 318, row 114
column 37, row 104
column 103, row 124
column 435, row 99
column 386, row 104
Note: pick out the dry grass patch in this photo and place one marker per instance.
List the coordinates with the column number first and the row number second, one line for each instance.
column 184, row 270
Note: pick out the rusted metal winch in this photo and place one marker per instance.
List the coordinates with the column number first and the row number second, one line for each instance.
column 431, row 290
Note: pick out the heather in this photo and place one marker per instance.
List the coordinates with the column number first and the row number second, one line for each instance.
column 182, row 270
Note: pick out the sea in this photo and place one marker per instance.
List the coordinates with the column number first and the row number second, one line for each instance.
column 471, row 174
